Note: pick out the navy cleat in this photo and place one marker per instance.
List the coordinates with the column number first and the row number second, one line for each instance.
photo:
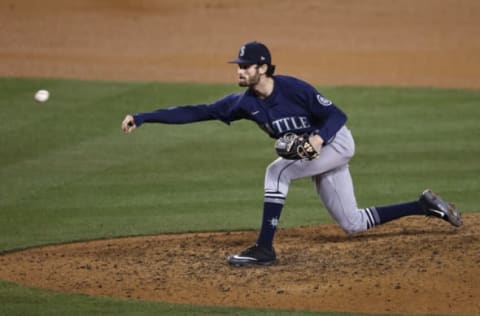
column 255, row 255
column 434, row 205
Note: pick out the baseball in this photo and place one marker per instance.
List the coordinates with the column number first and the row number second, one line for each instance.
column 42, row 96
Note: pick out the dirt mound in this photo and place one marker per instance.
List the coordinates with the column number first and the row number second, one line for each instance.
column 414, row 266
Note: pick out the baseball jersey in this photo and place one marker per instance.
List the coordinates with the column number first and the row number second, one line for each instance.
column 293, row 106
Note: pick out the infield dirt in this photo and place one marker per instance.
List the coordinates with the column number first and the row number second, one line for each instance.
column 411, row 266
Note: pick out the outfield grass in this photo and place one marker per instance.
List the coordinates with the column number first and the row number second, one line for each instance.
column 68, row 173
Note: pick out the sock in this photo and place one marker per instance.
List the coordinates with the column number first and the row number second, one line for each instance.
column 271, row 216
column 383, row 214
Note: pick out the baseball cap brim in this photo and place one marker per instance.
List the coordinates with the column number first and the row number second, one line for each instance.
column 242, row 61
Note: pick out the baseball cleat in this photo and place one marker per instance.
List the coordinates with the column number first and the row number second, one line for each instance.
column 434, row 205
column 255, row 255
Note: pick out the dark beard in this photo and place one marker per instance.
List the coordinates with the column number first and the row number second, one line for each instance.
column 251, row 83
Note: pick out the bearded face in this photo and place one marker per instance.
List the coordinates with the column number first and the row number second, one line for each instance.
column 248, row 75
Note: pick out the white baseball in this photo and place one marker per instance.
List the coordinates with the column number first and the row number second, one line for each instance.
column 42, row 95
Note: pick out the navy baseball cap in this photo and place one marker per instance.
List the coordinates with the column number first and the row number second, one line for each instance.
column 253, row 53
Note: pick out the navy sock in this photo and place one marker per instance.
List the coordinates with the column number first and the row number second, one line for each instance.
column 390, row 212
column 271, row 215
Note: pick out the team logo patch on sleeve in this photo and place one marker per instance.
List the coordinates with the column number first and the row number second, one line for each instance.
column 323, row 101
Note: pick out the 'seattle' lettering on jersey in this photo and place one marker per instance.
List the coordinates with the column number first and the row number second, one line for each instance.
column 293, row 106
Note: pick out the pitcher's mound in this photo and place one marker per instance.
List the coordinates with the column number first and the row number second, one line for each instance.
column 414, row 265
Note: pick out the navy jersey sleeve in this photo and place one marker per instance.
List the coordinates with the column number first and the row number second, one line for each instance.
column 328, row 118
column 225, row 110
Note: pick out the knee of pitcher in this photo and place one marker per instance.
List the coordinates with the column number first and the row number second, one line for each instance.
column 353, row 229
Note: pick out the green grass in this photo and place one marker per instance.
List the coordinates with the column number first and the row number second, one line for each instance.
column 68, row 173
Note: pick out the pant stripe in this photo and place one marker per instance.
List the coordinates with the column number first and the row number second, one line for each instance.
column 281, row 171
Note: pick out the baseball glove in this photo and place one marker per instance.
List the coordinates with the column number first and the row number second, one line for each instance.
column 292, row 146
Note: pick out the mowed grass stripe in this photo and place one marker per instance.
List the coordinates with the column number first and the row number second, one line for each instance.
column 70, row 174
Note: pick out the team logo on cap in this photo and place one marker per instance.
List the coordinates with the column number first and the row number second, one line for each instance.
column 323, row 101
column 242, row 51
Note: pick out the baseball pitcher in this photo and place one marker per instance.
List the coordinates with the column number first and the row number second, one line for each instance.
column 311, row 139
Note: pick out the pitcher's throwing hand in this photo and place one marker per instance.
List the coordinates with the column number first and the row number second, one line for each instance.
column 128, row 124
